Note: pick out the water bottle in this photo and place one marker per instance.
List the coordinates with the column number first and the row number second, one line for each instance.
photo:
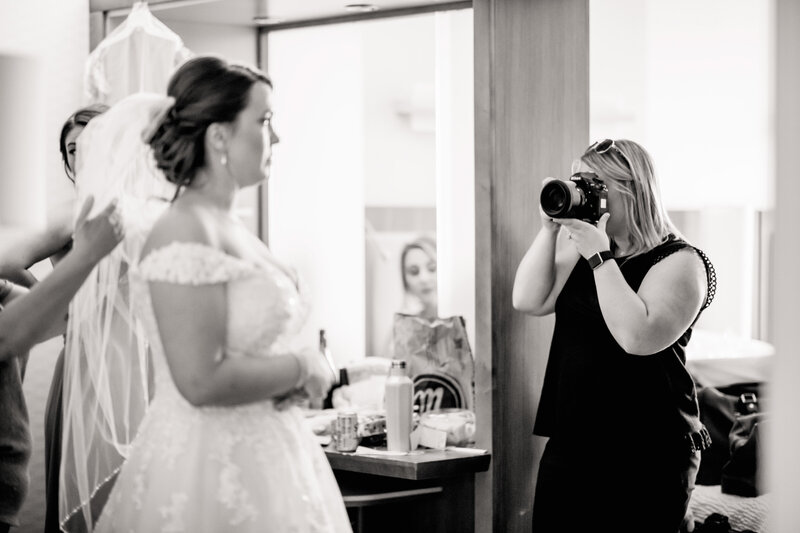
column 399, row 398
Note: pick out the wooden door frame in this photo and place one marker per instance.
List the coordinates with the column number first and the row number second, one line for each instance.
column 531, row 120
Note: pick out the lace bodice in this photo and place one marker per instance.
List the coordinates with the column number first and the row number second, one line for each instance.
column 265, row 309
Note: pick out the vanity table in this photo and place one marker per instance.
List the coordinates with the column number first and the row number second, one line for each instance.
column 427, row 490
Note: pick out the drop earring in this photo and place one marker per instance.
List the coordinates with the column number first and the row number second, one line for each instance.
column 224, row 160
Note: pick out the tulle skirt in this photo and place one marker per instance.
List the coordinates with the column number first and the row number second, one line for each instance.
column 242, row 469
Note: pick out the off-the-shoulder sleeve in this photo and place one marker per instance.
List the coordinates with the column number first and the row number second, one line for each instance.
column 190, row 263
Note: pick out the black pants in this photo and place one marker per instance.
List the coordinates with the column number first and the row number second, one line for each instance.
column 619, row 490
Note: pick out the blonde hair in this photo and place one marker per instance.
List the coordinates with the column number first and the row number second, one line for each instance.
column 630, row 168
column 424, row 243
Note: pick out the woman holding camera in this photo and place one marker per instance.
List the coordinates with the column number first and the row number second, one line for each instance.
column 618, row 405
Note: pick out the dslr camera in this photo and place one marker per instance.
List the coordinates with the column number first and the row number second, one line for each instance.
column 582, row 196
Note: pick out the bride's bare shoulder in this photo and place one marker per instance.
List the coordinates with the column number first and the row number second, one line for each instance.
column 180, row 224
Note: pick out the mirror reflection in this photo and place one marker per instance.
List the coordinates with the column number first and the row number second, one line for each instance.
column 418, row 271
column 376, row 127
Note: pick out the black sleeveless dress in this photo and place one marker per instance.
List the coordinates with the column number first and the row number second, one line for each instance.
column 624, row 429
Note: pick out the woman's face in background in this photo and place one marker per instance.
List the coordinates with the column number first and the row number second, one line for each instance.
column 419, row 270
column 70, row 141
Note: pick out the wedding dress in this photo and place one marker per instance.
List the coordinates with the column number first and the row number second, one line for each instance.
column 139, row 55
column 175, row 467
column 248, row 468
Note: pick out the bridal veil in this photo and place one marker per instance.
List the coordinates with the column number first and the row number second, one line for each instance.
column 107, row 374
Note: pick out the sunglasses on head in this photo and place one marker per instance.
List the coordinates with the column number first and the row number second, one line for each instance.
column 605, row 145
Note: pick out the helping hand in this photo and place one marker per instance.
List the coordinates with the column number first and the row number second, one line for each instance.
column 97, row 236
column 587, row 238
column 319, row 376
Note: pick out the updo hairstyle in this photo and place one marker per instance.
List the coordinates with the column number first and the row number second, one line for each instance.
column 206, row 89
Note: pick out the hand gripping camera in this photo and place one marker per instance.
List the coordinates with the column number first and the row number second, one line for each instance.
column 583, row 196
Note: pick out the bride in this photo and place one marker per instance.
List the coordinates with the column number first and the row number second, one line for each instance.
column 222, row 446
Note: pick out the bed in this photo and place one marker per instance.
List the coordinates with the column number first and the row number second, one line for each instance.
column 721, row 359
column 743, row 513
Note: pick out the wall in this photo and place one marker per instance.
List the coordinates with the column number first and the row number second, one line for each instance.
column 57, row 33
column 399, row 111
column 61, row 41
column 316, row 192
column 618, row 69
column 455, row 166
column 691, row 82
column 234, row 43
column 783, row 433
column 709, row 102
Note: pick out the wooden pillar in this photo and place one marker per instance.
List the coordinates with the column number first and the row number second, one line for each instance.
column 531, row 121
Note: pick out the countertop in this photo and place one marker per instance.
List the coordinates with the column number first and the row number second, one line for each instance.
column 417, row 465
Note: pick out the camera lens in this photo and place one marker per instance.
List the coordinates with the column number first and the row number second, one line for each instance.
column 556, row 198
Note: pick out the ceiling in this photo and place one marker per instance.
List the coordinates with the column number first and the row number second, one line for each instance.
column 242, row 12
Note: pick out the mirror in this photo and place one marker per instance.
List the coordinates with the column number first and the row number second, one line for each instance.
column 375, row 119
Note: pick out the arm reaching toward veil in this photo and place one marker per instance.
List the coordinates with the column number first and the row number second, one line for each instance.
column 41, row 313
column 20, row 249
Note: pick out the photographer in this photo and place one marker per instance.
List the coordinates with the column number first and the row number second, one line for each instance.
column 618, row 404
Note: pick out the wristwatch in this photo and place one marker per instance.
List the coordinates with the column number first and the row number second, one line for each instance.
column 599, row 258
